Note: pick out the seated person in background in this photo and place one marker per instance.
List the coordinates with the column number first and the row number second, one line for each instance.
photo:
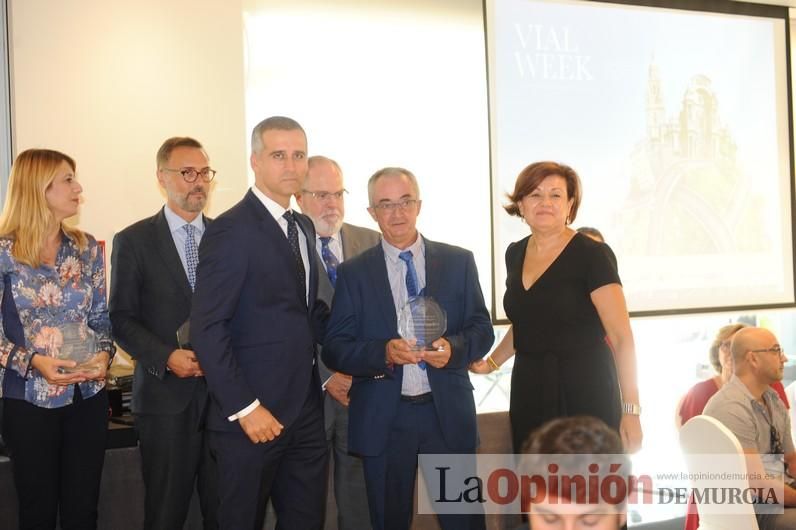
column 592, row 233
column 749, row 408
column 694, row 400
column 574, row 435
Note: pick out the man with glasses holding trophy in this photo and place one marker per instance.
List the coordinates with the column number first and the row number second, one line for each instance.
column 749, row 408
column 153, row 277
column 407, row 319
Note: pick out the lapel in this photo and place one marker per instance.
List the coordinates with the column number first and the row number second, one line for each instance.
column 434, row 268
column 351, row 245
column 169, row 255
column 273, row 232
column 380, row 287
column 305, row 225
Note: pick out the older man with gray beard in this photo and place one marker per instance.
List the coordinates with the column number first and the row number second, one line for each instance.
column 322, row 198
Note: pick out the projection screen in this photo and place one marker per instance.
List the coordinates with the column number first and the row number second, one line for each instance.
column 677, row 122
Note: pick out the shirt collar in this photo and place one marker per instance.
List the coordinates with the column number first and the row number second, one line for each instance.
column 176, row 222
column 335, row 238
column 392, row 252
column 274, row 208
column 768, row 393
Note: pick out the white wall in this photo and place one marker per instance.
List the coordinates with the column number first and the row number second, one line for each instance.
column 107, row 81
column 374, row 83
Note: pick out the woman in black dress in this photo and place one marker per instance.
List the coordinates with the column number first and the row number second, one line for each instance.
column 566, row 305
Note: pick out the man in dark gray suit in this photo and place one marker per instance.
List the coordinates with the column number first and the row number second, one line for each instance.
column 153, row 275
column 322, row 199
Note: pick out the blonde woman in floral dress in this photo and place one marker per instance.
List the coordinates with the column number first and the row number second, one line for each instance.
column 53, row 297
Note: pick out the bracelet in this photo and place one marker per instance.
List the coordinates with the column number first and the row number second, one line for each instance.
column 633, row 409
column 491, row 362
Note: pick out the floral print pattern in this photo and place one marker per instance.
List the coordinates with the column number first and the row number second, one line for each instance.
column 47, row 299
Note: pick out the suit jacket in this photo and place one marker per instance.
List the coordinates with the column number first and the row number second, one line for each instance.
column 252, row 332
column 150, row 299
column 355, row 239
column 363, row 321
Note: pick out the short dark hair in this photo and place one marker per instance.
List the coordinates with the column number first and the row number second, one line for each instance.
column 582, row 437
column 164, row 153
column 279, row 123
column 592, row 233
column 532, row 176
column 572, row 436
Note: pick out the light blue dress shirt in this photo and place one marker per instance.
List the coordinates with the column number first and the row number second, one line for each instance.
column 178, row 233
column 415, row 380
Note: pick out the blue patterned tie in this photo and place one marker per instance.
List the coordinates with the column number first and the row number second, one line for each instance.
column 292, row 237
column 191, row 254
column 329, row 259
column 411, row 284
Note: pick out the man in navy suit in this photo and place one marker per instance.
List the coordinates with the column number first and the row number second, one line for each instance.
column 254, row 325
column 405, row 402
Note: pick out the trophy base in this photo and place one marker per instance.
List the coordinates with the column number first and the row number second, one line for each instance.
column 85, row 368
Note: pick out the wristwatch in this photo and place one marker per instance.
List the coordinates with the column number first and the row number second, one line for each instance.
column 634, row 409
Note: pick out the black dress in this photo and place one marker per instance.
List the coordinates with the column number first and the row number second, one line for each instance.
column 563, row 365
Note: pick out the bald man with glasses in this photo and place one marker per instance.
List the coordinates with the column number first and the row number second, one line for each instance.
column 749, row 408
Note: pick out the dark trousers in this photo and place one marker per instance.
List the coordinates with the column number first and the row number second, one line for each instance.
column 290, row 470
column 349, row 476
column 57, row 457
column 174, row 457
column 390, row 477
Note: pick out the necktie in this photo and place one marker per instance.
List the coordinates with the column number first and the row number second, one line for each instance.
column 329, row 259
column 292, row 238
column 411, row 274
column 191, row 254
column 411, row 284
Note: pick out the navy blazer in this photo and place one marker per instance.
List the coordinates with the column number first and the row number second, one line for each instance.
column 250, row 329
column 363, row 321
column 150, row 299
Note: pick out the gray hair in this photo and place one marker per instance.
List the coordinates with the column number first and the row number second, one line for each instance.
column 319, row 159
column 391, row 172
column 279, row 123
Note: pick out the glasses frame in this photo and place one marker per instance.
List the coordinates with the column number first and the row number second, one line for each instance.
column 403, row 205
column 323, row 195
column 186, row 171
column 779, row 350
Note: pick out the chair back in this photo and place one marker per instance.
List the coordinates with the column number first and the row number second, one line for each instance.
column 700, row 438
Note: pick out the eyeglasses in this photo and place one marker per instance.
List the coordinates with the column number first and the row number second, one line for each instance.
column 190, row 174
column 774, row 349
column 403, row 204
column 323, row 195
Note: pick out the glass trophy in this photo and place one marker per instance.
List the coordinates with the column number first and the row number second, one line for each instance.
column 421, row 321
column 78, row 344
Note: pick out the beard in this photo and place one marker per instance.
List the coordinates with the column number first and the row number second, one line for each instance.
column 329, row 222
column 192, row 201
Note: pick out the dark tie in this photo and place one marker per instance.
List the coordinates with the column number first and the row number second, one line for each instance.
column 411, row 283
column 191, row 254
column 329, row 259
column 292, row 238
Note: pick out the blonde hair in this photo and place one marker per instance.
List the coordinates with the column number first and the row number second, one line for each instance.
column 26, row 218
column 725, row 333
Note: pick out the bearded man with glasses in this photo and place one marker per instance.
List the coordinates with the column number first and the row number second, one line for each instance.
column 749, row 408
column 152, row 282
